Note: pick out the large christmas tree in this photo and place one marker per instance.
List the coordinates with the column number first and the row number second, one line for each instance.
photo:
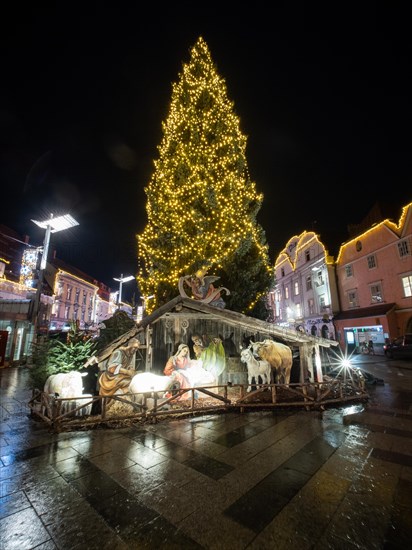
column 201, row 202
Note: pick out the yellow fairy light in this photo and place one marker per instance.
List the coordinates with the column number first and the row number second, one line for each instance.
column 201, row 201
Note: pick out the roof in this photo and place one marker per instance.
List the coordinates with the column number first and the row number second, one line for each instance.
column 372, row 311
column 187, row 306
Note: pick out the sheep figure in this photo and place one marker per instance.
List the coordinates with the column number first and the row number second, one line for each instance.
column 255, row 368
column 278, row 355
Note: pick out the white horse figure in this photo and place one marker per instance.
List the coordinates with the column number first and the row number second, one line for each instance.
column 255, row 368
column 68, row 386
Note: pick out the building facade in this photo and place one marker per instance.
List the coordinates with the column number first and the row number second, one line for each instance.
column 305, row 295
column 374, row 275
column 366, row 294
column 67, row 295
column 15, row 298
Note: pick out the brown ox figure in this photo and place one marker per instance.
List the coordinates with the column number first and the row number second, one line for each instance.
column 278, row 355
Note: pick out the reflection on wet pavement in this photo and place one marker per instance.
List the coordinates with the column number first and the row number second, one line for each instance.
column 337, row 478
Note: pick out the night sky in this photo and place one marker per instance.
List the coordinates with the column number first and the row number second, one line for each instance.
column 323, row 97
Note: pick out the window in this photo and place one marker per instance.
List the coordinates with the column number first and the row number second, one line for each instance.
column 322, row 302
column 298, row 311
column 69, row 293
column 311, row 306
column 308, row 282
column 320, row 278
column 307, row 255
column 407, row 286
column 296, row 286
column 376, row 293
column 325, row 331
column 404, row 249
column 286, row 292
column 371, row 261
column 349, row 270
column 84, row 297
column 66, row 312
column 353, row 298
column 282, row 272
column 77, row 295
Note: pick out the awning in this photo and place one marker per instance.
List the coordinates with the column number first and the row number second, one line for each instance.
column 372, row 311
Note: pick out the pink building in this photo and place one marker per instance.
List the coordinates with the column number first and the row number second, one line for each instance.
column 374, row 279
column 366, row 294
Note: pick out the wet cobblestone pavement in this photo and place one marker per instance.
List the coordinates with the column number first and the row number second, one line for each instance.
column 337, row 479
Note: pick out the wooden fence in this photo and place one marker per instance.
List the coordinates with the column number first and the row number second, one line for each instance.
column 150, row 407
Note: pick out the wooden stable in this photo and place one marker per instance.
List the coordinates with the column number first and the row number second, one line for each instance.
column 177, row 321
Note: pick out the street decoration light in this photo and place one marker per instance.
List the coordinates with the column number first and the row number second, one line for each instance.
column 52, row 225
column 122, row 280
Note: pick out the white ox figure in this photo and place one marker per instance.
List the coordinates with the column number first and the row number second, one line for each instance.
column 147, row 382
column 65, row 385
column 255, row 368
column 278, row 355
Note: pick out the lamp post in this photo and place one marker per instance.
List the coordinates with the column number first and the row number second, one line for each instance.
column 121, row 281
column 52, row 225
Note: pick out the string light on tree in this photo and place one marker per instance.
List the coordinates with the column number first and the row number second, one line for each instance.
column 201, row 201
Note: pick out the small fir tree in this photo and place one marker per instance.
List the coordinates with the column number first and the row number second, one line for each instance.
column 201, row 203
column 51, row 356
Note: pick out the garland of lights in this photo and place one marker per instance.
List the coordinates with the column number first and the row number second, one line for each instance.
column 201, row 203
column 28, row 266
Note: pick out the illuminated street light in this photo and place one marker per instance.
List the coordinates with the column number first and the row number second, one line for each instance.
column 52, row 225
column 121, row 281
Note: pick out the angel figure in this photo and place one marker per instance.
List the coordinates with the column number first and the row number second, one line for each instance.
column 203, row 289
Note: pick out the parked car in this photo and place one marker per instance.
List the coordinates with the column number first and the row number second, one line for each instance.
column 399, row 347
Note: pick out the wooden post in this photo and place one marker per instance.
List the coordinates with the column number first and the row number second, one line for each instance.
column 306, row 366
column 318, row 365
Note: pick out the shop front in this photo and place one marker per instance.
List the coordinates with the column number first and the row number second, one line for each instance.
column 357, row 328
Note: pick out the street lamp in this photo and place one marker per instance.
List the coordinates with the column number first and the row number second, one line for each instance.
column 52, row 225
column 121, row 281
